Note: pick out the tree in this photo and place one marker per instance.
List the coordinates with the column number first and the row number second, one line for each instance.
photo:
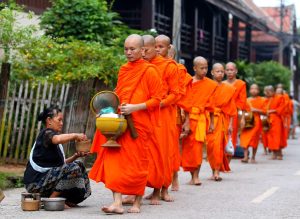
column 84, row 20
column 12, row 38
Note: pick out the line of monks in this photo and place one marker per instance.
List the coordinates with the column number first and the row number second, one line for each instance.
column 171, row 108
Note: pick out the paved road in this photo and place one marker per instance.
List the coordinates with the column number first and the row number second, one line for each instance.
column 269, row 189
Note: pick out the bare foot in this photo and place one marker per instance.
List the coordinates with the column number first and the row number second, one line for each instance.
column 67, row 206
column 279, row 158
column 165, row 196
column 218, row 179
column 211, row 178
column 128, row 200
column 113, row 209
column 134, row 209
column 71, row 205
column 175, row 185
column 244, row 160
column 155, row 198
column 253, row 161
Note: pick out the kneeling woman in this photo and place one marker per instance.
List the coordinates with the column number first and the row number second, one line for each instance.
column 48, row 172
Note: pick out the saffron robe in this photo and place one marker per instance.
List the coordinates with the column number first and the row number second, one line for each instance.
column 167, row 132
column 240, row 99
column 250, row 136
column 274, row 134
column 224, row 108
column 199, row 103
column 126, row 169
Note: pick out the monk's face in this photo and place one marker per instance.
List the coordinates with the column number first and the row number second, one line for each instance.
column 201, row 68
column 162, row 47
column 218, row 73
column 254, row 90
column 279, row 90
column 133, row 50
column 149, row 52
column 230, row 71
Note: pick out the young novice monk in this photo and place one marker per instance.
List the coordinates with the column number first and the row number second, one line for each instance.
column 199, row 103
column 274, row 108
column 250, row 136
column 224, row 111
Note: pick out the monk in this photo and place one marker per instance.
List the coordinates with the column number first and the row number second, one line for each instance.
column 250, row 136
column 124, row 170
column 167, row 133
column 240, row 98
column 199, row 103
column 180, row 116
column 263, row 133
column 286, row 117
column 274, row 108
column 224, row 112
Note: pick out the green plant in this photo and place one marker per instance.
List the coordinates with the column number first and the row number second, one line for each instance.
column 84, row 20
column 64, row 61
column 264, row 73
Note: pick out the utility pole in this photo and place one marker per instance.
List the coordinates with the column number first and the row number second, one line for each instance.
column 280, row 49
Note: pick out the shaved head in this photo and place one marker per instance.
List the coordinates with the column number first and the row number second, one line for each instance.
column 218, row 72
column 279, row 90
column 162, row 45
column 270, row 88
column 279, row 86
column 217, row 65
column 254, row 90
column 163, row 38
column 254, row 86
column 137, row 39
column 133, row 47
column 149, row 47
column 231, row 64
column 172, row 52
column 149, row 40
column 199, row 59
column 200, row 67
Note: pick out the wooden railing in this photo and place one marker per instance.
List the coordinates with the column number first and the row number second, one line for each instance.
column 131, row 17
column 203, row 41
column 243, row 51
column 186, row 37
column 220, row 46
column 163, row 24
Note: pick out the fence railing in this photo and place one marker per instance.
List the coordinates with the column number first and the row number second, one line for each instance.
column 19, row 126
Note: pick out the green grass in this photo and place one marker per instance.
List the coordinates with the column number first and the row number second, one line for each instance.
column 10, row 180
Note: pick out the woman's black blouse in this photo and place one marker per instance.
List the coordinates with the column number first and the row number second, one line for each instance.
column 45, row 154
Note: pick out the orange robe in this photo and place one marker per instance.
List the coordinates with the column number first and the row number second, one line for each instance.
column 183, row 77
column 240, row 99
column 126, row 169
column 250, row 136
column 274, row 134
column 264, row 138
column 199, row 103
column 216, row 141
column 167, row 132
column 286, row 118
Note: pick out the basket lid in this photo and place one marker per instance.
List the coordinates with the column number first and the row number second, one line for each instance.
column 105, row 102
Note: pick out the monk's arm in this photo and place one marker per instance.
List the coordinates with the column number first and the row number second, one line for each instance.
column 230, row 127
column 65, row 138
column 211, row 126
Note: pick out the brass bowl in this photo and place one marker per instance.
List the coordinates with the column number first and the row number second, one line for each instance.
column 30, row 205
column 111, row 128
column 83, row 146
column 249, row 120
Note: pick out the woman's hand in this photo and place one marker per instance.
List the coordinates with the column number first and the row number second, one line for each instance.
column 81, row 154
column 80, row 137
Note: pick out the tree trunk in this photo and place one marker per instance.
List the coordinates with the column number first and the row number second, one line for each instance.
column 4, row 78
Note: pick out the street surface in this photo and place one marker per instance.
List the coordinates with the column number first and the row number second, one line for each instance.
column 268, row 189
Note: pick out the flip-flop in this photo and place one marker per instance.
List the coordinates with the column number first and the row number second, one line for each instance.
column 106, row 210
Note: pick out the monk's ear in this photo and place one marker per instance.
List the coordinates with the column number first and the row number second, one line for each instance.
column 194, row 68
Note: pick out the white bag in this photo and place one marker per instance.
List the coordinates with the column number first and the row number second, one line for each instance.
column 229, row 149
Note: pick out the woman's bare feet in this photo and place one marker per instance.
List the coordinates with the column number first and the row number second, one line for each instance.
column 71, row 205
